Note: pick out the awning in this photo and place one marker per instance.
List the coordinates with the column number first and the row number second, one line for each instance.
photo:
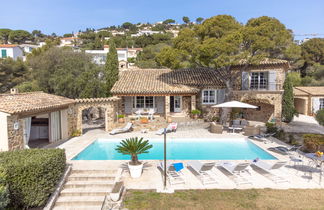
column 235, row 104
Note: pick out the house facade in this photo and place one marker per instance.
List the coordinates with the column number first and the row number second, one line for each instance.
column 70, row 41
column 178, row 92
column 11, row 50
column 309, row 99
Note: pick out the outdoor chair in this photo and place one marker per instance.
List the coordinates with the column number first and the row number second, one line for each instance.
column 127, row 128
column 151, row 113
column 174, row 177
column 203, row 171
column 138, row 114
column 237, row 170
column 251, row 130
column 269, row 170
column 216, row 128
column 172, row 127
column 262, row 137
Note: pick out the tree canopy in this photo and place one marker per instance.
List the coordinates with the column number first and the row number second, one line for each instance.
column 4, row 35
column 186, row 19
column 111, row 67
column 19, row 36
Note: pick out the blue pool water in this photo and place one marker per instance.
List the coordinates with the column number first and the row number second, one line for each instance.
column 180, row 149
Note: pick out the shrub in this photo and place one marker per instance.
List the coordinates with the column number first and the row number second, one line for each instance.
column 196, row 111
column 31, row 175
column 313, row 142
column 4, row 193
column 120, row 116
column 76, row 133
column 271, row 127
column 288, row 107
column 320, row 117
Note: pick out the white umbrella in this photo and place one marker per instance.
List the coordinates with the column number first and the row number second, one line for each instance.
column 235, row 104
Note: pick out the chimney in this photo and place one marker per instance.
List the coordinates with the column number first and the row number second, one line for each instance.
column 14, row 91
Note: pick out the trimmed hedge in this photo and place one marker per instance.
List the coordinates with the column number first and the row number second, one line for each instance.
column 32, row 175
column 313, row 142
column 320, row 117
column 4, row 193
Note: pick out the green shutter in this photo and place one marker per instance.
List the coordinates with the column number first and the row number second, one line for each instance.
column 3, row 53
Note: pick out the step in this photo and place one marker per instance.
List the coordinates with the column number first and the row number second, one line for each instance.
column 92, row 207
column 85, row 191
column 89, row 177
column 88, row 184
column 93, row 171
column 79, row 200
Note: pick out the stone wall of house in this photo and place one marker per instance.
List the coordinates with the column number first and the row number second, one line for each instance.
column 15, row 137
column 186, row 105
column 207, row 111
column 269, row 102
column 301, row 105
column 111, row 107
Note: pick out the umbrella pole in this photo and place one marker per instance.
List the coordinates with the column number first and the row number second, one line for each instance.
column 165, row 168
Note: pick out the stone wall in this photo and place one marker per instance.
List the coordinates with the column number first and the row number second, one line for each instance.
column 186, row 105
column 15, row 137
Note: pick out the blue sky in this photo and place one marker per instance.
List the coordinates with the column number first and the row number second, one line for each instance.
column 65, row 16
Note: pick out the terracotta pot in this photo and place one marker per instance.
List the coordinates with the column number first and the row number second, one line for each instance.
column 169, row 119
column 121, row 120
column 195, row 116
column 144, row 120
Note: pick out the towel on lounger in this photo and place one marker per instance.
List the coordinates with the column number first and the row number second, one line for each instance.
column 178, row 166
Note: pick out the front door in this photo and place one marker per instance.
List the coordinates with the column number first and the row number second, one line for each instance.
column 177, row 103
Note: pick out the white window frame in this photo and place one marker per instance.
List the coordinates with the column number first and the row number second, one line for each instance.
column 145, row 107
column 209, row 90
column 265, row 78
column 321, row 103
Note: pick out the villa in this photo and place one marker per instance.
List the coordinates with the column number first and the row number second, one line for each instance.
column 178, row 92
column 308, row 100
column 11, row 50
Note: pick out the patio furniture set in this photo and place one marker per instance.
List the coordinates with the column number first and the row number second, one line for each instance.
column 239, row 125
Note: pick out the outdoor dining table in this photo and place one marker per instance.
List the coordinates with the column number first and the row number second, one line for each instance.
column 317, row 161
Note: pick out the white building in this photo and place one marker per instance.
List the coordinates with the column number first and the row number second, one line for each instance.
column 100, row 56
column 11, row 50
column 28, row 48
column 70, row 41
column 146, row 32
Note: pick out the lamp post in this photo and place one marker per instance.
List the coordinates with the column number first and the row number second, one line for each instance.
column 165, row 168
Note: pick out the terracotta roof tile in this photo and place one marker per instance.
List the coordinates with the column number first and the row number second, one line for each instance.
column 309, row 90
column 8, row 45
column 31, row 101
column 166, row 81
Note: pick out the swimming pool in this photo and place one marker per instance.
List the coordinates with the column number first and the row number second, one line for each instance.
column 180, row 149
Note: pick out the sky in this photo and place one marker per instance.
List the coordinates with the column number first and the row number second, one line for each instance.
column 66, row 16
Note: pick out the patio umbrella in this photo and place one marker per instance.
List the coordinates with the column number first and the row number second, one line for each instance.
column 235, row 104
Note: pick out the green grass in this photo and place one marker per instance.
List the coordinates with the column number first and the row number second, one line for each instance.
column 227, row 199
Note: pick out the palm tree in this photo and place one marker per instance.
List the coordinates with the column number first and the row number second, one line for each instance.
column 133, row 147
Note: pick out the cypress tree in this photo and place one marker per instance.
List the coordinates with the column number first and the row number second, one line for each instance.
column 111, row 67
column 288, row 107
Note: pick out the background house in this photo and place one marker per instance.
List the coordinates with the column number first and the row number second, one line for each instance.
column 308, row 100
column 11, row 50
column 70, row 41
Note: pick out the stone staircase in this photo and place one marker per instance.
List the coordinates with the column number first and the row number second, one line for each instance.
column 85, row 189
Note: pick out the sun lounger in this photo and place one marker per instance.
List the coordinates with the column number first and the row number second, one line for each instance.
column 262, row 137
column 172, row 127
column 127, row 128
column 269, row 170
column 174, row 177
column 203, row 171
column 284, row 150
column 237, row 170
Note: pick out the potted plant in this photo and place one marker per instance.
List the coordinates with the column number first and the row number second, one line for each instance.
column 133, row 120
column 144, row 120
column 133, row 147
column 195, row 113
column 121, row 118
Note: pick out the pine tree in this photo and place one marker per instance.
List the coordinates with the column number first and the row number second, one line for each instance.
column 288, row 107
column 111, row 67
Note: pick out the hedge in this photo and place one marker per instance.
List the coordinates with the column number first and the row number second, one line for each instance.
column 31, row 175
column 320, row 117
column 313, row 142
column 4, row 193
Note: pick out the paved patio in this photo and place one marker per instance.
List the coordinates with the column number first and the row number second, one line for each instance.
column 298, row 177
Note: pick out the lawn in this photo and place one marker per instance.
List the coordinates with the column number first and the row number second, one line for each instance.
column 227, row 199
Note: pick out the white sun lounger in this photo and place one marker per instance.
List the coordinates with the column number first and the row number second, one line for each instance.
column 174, row 177
column 237, row 170
column 171, row 127
column 269, row 170
column 127, row 128
column 203, row 171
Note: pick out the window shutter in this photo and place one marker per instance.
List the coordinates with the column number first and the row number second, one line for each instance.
column 316, row 104
column 220, row 96
column 245, row 80
column 128, row 104
column 272, row 80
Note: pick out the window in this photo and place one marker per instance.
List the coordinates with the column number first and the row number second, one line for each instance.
column 321, row 103
column 3, row 53
column 209, row 96
column 144, row 102
column 259, row 80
